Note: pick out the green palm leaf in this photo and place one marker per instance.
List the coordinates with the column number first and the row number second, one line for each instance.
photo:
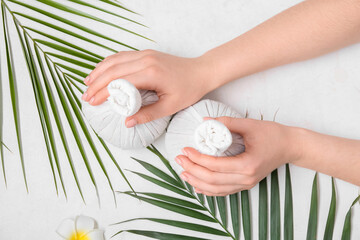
column 1, row 127
column 211, row 202
column 68, row 9
column 175, row 208
column 288, row 211
column 329, row 228
column 263, row 210
column 69, row 22
column 275, row 207
column 163, row 184
column 191, row 206
column 246, row 214
column 159, row 173
column 52, row 74
column 169, row 202
column 161, row 235
column 235, row 214
column 13, row 90
column 222, row 209
column 346, row 233
column 42, row 110
column 183, row 225
column 169, row 199
column 313, row 216
column 105, row 11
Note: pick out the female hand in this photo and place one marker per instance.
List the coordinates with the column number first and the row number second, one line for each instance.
column 268, row 145
column 179, row 82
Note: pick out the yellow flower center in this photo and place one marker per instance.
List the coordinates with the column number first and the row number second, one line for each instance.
column 79, row 236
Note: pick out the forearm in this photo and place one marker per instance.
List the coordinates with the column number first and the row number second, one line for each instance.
column 307, row 30
column 334, row 156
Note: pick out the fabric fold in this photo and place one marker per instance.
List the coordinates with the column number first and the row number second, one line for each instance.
column 108, row 118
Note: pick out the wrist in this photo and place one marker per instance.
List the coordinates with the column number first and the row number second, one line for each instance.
column 214, row 78
column 299, row 139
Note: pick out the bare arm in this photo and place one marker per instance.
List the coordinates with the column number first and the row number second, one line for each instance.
column 304, row 31
column 269, row 145
column 307, row 30
column 334, row 156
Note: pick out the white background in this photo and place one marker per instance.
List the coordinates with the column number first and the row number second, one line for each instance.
column 321, row 94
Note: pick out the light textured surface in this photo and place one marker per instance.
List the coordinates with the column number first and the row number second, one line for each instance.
column 108, row 118
column 322, row 94
column 186, row 125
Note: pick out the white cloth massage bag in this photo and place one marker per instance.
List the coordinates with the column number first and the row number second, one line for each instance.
column 188, row 129
column 108, row 118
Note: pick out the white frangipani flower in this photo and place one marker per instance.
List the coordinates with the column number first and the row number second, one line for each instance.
column 80, row 228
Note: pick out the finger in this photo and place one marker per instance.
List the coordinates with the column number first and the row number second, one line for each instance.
column 117, row 58
column 138, row 79
column 99, row 97
column 212, row 177
column 143, row 80
column 149, row 113
column 112, row 73
column 238, row 125
column 221, row 194
column 216, row 189
column 232, row 164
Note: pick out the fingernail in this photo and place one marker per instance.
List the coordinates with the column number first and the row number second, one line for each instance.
column 131, row 123
column 184, row 177
column 92, row 100
column 84, row 96
column 178, row 160
column 197, row 190
column 184, row 152
column 208, row 118
column 87, row 79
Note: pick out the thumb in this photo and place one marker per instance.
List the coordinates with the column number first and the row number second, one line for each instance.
column 149, row 113
column 237, row 125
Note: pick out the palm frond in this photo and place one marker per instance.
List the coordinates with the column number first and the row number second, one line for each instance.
column 56, row 67
column 193, row 206
column 208, row 209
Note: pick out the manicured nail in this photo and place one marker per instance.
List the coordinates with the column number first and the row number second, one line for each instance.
column 84, row 96
column 184, row 152
column 131, row 123
column 87, row 79
column 92, row 100
column 184, row 177
column 178, row 160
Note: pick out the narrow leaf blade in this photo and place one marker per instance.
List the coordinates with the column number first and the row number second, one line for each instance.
column 288, row 212
column 313, row 216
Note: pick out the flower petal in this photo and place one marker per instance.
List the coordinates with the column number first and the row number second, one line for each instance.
column 96, row 235
column 66, row 228
column 84, row 223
